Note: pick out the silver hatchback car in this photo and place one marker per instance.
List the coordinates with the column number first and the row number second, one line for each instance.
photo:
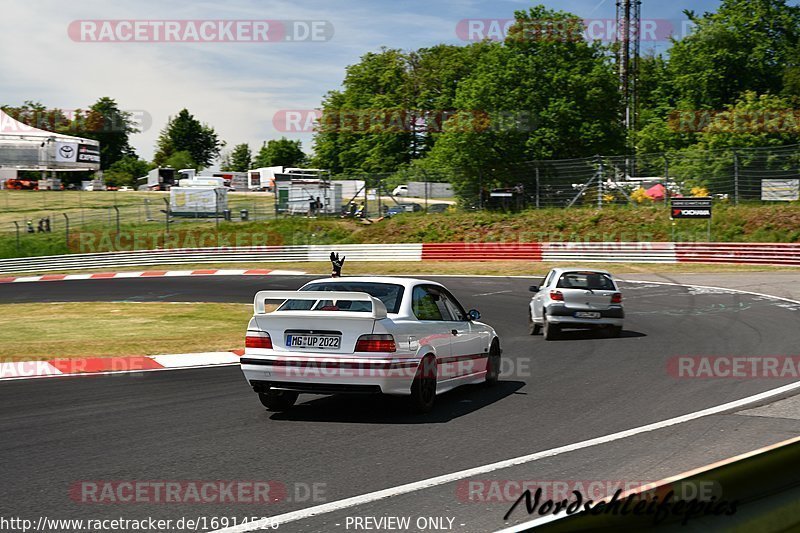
column 576, row 298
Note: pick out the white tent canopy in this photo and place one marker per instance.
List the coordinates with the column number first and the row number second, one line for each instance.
column 13, row 127
column 24, row 147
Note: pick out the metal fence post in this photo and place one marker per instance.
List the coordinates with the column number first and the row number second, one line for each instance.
column 537, row 187
column 17, row 225
column 116, row 208
column 365, row 211
column 166, row 219
column 666, row 178
column 600, row 177
column 66, row 229
column 480, row 190
column 379, row 191
column 735, row 178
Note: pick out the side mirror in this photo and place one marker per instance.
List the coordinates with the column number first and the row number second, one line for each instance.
column 533, row 288
column 473, row 314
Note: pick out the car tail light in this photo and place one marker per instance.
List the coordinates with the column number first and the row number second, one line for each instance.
column 616, row 298
column 557, row 296
column 257, row 339
column 375, row 343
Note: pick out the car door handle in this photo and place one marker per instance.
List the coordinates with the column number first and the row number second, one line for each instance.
column 454, row 331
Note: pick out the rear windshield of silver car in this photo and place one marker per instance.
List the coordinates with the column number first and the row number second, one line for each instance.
column 596, row 281
column 390, row 294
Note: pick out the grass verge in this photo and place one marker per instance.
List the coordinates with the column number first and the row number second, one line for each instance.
column 745, row 223
column 50, row 330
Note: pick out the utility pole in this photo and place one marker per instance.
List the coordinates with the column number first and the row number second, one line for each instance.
column 628, row 26
column 166, row 220
column 600, row 175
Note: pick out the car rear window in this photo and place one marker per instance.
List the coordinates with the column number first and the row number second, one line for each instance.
column 390, row 294
column 595, row 281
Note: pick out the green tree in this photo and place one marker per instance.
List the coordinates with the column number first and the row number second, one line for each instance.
column 126, row 171
column 37, row 115
column 238, row 160
column 753, row 121
column 105, row 122
column 363, row 126
column 180, row 160
column 745, row 49
column 280, row 153
column 391, row 108
column 746, row 45
column 185, row 133
column 535, row 96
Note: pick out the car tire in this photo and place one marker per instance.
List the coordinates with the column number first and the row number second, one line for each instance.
column 614, row 331
column 277, row 400
column 533, row 327
column 550, row 331
column 423, row 388
column 493, row 364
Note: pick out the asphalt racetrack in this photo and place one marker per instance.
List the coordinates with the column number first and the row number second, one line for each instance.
column 207, row 424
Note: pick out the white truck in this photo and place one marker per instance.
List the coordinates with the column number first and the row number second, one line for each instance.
column 262, row 179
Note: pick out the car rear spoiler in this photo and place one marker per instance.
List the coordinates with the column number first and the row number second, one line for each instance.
column 378, row 308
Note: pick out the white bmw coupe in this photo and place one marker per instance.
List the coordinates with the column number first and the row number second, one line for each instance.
column 396, row 336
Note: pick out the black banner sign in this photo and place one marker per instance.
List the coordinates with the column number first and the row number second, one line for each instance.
column 690, row 208
column 88, row 153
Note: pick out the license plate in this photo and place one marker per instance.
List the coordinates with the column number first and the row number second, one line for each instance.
column 323, row 342
column 587, row 314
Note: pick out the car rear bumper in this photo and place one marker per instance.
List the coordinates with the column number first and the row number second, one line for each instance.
column 329, row 375
column 565, row 316
column 572, row 322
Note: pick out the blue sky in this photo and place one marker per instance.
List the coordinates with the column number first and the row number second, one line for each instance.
column 235, row 87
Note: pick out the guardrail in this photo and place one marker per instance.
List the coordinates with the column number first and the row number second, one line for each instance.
column 611, row 252
column 250, row 254
column 563, row 252
column 756, row 253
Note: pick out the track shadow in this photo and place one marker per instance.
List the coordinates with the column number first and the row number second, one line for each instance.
column 584, row 334
column 380, row 409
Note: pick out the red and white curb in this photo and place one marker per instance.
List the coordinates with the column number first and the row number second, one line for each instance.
column 114, row 365
column 151, row 274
